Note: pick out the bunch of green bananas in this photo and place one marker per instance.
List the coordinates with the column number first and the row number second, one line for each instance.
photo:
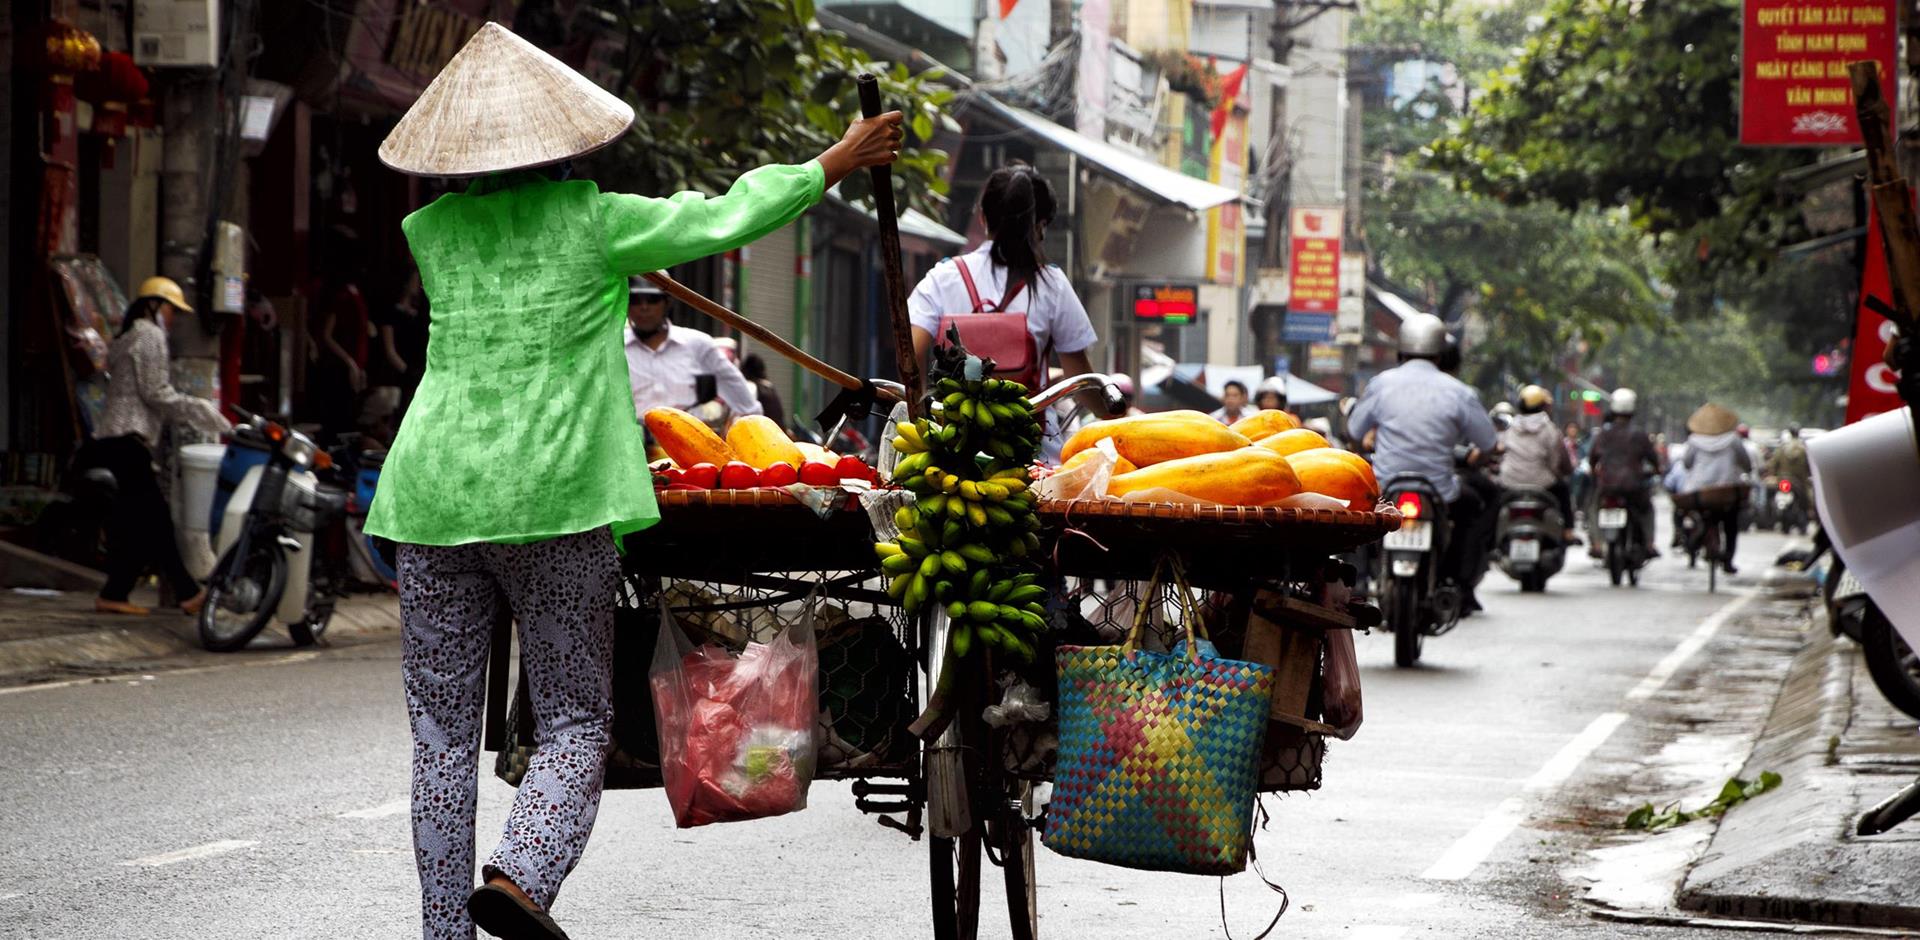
column 967, row 541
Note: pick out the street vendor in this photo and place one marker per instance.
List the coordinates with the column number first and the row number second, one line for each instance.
column 520, row 459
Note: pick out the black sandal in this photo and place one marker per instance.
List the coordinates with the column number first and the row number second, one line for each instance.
column 497, row 911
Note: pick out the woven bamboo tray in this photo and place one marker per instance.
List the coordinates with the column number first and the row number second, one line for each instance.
column 716, row 534
column 1224, row 546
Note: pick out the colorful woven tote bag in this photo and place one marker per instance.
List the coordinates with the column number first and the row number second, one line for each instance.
column 1159, row 752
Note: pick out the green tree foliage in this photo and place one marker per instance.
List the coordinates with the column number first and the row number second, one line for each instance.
column 722, row 86
column 1630, row 104
column 1540, row 278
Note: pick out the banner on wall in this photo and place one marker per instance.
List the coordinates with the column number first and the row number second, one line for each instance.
column 1313, row 263
column 1794, row 88
column 1870, row 384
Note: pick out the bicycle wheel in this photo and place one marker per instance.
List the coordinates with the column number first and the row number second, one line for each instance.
column 955, row 886
column 242, row 593
column 1012, row 837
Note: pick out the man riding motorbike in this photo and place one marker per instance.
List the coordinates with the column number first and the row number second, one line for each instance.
column 1622, row 456
column 1535, row 455
column 1417, row 414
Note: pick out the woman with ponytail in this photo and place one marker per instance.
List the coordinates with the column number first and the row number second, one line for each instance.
column 1008, row 274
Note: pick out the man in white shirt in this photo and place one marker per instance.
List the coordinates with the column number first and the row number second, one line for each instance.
column 1233, row 403
column 664, row 361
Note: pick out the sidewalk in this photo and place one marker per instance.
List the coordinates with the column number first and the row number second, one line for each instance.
column 48, row 635
column 1792, row 854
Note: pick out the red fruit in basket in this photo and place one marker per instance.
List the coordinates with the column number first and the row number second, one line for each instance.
column 779, row 474
column 668, row 476
column 852, row 468
column 739, row 475
column 819, row 473
column 701, row 475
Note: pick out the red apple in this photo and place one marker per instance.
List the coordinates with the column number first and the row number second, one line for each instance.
column 738, row 475
column 779, row 474
column 702, row 475
column 819, row 473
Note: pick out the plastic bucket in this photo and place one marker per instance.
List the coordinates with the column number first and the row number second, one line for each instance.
column 199, row 471
column 239, row 458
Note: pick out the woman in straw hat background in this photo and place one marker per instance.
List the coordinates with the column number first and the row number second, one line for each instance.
column 141, row 400
column 520, row 457
column 1717, row 457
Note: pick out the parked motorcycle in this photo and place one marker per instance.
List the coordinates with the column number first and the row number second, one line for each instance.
column 1623, row 544
column 1530, row 541
column 1417, row 600
column 265, row 542
column 1890, row 661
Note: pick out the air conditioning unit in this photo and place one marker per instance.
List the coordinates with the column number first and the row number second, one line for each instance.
column 176, row 33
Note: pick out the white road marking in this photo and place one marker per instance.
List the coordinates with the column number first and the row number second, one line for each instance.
column 9, row 897
column 288, row 659
column 196, row 852
column 382, row 811
column 1470, row 850
column 1695, row 641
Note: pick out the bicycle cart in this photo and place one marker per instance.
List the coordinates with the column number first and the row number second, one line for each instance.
column 735, row 565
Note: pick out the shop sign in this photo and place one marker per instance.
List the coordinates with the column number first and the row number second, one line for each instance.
column 1226, row 225
column 1166, row 303
column 1794, row 87
column 1323, row 359
column 1314, row 261
column 1306, row 327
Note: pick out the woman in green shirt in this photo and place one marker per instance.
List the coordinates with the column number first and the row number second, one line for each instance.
column 520, row 458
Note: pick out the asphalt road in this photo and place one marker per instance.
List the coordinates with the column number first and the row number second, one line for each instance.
column 264, row 795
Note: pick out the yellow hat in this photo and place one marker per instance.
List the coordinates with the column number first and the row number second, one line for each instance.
column 1534, row 397
column 165, row 289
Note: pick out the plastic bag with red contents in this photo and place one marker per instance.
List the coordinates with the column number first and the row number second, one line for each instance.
column 736, row 731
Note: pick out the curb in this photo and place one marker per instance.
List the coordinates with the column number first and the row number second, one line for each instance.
column 1790, row 855
column 95, row 647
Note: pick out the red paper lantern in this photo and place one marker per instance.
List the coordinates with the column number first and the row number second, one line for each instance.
column 117, row 79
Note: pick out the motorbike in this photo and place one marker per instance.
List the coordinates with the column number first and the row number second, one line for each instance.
column 362, row 559
column 1789, row 507
column 1851, row 612
column 265, row 543
column 1623, row 545
column 1417, row 599
column 1530, row 540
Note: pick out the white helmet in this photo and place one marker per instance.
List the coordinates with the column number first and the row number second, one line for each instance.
column 1624, row 402
column 1423, row 334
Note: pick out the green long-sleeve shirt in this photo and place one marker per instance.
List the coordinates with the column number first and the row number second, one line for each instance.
column 523, row 426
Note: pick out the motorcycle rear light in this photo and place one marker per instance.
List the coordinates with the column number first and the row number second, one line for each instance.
column 1786, row 486
column 1409, row 505
column 1524, row 512
column 322, row 460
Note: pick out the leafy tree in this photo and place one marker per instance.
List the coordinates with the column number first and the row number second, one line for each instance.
column 1631, row 104
column 721, row 86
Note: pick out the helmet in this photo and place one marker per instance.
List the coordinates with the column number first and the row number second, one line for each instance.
column 1274, row 383
column 1534, row 398
column 164, row 288
column 1625, row 401
column 1423, row 334
column 1502, row 408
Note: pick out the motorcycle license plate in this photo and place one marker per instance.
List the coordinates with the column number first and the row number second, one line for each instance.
column 1406, row 567
column 1413, row 536
column 1783, row 501
column 1613, row 518
column 1523, row 550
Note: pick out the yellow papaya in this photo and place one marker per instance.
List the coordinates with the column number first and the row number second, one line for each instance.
column 760, row 442
column 1287, row 443
column 810, row 452
column 686, row 439
column 1264, row 424
column 1123, row 465
column 1337, row 474
column 1250, row 476
column 1152, row 438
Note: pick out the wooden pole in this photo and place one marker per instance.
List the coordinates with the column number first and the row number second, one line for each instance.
column 1892, row 196
column 697, row 301
column 896, row 279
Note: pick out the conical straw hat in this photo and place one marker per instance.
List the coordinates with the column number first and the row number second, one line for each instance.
column 502, row 104
column 1712, row 419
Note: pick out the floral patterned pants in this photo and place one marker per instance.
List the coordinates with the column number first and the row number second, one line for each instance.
column 561, row 591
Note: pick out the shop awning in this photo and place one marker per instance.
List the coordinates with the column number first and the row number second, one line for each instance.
column 1302, row 392
column 1167, row 185
column 913, row 222
column 1395, row 304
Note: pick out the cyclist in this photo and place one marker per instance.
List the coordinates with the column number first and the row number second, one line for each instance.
column 1716, row 458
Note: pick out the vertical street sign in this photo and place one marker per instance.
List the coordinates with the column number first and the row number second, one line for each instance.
column 1314, row 260
column 1794, row 88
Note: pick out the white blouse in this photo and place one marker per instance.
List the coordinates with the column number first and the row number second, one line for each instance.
column 1055, row 316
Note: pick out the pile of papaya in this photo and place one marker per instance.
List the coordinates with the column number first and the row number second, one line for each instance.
column 754, row 453
column 1261, row 460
